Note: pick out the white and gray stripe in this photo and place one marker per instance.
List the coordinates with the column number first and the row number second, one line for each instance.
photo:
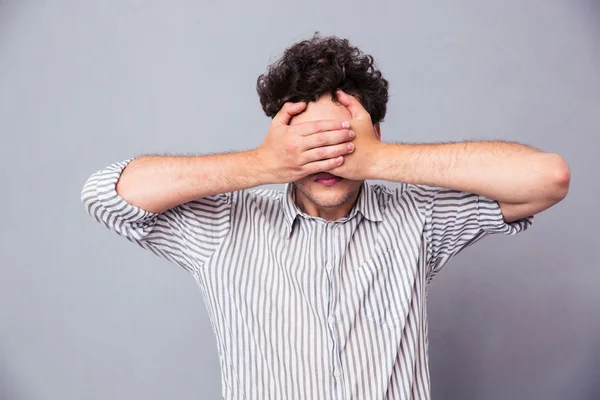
column 303, row 308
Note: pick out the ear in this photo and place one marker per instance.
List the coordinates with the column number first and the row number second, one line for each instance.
column 377, row 130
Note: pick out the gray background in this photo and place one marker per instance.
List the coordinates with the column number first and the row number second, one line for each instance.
column 84, row 314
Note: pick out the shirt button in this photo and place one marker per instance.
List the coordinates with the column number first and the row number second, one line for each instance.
column 331, row 319
column 336, row 372
column 329, row 267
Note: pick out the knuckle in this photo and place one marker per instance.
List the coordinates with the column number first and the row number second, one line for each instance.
column 320, row 153
column 321, row 139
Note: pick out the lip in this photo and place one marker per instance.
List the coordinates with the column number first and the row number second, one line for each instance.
column 327, row 179
column 325, row 176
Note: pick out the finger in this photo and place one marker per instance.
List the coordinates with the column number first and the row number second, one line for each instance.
column 327, row 152
column 352, row 104
column 288, row 110
column 312, row 127
column 323, row 165
column 326, row 139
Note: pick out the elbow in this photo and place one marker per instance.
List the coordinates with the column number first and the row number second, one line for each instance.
column 88, row 194
column 560, row 177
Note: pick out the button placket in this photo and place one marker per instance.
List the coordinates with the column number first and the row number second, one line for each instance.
column 333, row 233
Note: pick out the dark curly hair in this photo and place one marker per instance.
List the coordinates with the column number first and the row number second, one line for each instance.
column 312, row 68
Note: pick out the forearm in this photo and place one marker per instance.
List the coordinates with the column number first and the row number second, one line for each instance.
column 157, row 183
column 506, row 172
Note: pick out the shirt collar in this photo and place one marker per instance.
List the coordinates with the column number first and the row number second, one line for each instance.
column 366, row 204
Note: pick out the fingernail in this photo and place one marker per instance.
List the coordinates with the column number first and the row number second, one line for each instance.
column 352, row 134
column 345, row 124
column 350, row 146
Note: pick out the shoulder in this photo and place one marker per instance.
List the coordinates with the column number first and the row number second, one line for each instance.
column 390, row 199
column 405, row 198
column 262, row 197
column 386, row 194
column 263, row 194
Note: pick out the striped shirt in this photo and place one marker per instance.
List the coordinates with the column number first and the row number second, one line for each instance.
column 301, row 307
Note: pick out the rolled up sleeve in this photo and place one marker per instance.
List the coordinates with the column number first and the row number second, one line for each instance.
column 454, row 220
column 186, row 235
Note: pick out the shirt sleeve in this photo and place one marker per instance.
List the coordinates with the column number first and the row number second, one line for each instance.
column 454, row 220
column 186, row 235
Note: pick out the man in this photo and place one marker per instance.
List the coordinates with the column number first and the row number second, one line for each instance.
column 318, row 292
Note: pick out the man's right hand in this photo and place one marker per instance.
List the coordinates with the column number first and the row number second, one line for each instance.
column 292, row 152
column 288, row 153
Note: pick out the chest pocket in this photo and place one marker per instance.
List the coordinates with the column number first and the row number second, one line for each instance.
column 382, row 285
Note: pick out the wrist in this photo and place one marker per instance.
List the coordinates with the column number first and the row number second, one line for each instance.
column 257, row 168
column 383, row 158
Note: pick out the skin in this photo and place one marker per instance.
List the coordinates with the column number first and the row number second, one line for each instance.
column 306, row 139
column 287, row 154
column 328, row 202
column 523, row 180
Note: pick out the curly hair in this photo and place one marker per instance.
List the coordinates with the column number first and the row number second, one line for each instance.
column 312, row 68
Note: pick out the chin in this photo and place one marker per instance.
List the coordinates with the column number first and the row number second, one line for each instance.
column 328, row 196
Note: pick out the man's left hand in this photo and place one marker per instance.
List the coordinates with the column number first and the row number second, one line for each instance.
column 361, row 163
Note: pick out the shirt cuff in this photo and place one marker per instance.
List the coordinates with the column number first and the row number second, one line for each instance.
column 491, row 219
column 114, row 204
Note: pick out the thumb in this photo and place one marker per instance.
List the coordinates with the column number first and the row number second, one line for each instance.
column 352, row 104
column 288, row 110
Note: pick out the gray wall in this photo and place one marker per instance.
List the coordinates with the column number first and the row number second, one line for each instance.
column 84, row 314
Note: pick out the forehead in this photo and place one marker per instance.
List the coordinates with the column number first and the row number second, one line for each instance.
column 323, row 108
